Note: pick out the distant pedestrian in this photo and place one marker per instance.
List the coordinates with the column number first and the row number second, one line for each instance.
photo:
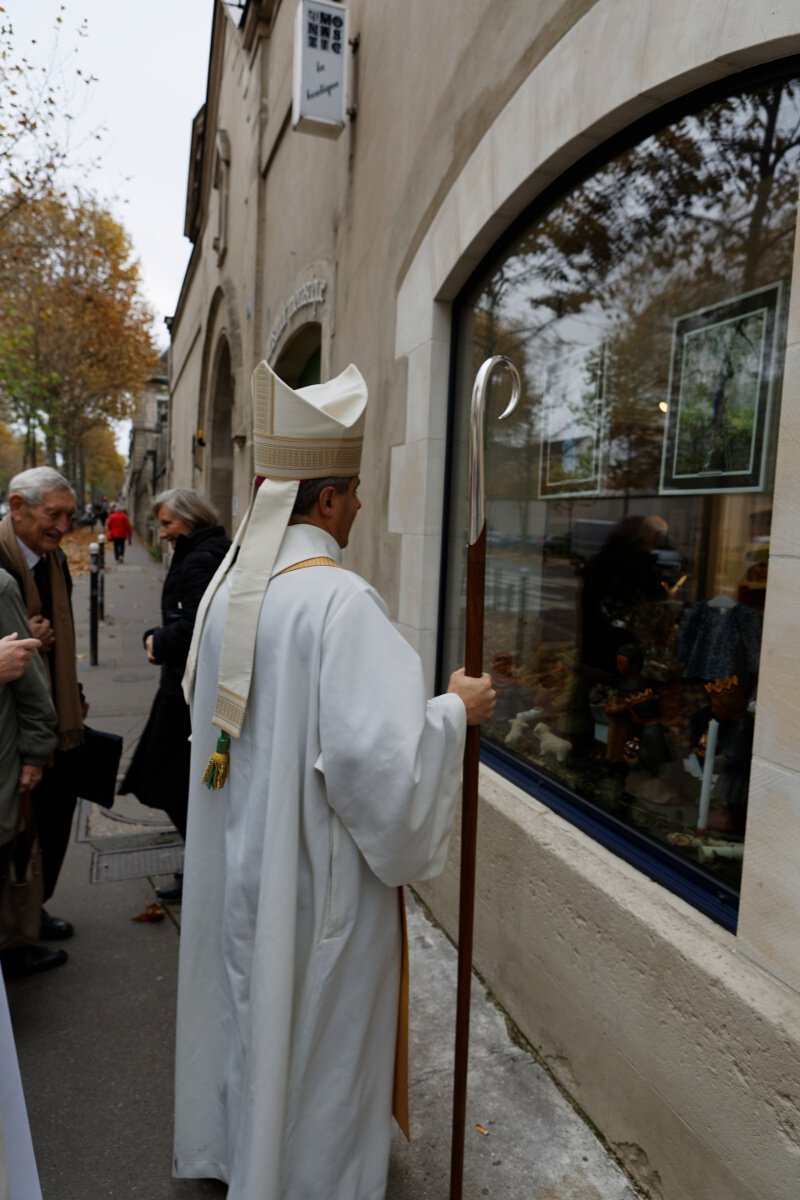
column 159, row 771
column 89, row 517
column 119, row 530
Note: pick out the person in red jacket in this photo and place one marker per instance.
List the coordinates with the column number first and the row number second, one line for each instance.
column 119, row 530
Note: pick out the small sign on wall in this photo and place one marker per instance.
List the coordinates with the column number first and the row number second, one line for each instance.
column 320, row 68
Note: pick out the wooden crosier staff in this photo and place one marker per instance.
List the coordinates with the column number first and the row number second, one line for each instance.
column 473, row 665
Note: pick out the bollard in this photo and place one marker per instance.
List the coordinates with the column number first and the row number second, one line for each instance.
column 101, row 578
column 94, row 555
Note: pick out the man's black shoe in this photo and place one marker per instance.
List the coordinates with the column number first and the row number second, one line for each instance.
column 171, row 891
column 31, row 960
column 54, row 929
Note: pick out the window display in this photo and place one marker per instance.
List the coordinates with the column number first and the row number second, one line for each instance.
column 629, row 498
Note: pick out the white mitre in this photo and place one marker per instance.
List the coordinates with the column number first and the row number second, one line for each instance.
column 314, row 432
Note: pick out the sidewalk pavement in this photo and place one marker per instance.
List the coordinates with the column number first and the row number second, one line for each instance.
column 95, row 1038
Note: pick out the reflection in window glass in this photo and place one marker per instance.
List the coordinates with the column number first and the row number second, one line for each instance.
column 630, row 496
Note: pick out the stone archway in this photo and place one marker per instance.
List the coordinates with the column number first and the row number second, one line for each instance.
column 220, row 445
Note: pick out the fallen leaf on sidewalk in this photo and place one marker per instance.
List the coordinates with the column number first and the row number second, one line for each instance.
column 153, row 912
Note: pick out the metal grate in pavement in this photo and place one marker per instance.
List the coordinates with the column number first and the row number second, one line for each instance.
column 137, row 862
column 96, row 824
column 128, row 847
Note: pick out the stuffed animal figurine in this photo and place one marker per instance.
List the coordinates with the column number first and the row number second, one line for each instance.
column 550, row 744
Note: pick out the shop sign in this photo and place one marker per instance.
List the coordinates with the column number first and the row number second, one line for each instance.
column 320, row 68
column 312, row 292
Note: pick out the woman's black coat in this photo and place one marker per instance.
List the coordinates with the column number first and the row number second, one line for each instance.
column 159, row 771
column 194, row 562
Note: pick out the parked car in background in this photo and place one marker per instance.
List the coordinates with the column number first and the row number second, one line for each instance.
column 557, row 545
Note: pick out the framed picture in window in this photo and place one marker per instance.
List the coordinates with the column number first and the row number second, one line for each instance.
column 572, row 423
column 722, row 378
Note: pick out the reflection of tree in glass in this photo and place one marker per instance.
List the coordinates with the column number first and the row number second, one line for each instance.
column 698, row 212
column 510, row 465
column 719, row 396
column 573, row 402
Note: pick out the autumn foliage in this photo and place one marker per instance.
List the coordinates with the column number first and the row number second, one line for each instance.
column 76, row 342
column 75, row 334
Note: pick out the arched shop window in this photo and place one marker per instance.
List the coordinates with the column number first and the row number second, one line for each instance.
column 644, row 302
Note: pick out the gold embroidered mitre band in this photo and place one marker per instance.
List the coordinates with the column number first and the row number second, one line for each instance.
column 312, row 433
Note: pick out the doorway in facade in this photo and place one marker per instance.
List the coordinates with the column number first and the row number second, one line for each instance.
column 300, row 362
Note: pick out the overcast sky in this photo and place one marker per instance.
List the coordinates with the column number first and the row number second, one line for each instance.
column 150, row 58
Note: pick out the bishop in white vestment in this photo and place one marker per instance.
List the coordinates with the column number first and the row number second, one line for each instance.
column 342, row 784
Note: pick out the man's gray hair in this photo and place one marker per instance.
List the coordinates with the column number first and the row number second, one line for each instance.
column 33, row 484
column 188, row 505
column 310, row 489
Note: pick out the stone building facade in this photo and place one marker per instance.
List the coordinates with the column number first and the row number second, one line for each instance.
column 606, row 192
column 148, row 452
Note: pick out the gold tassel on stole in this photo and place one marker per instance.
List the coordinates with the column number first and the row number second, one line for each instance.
column 216, row 771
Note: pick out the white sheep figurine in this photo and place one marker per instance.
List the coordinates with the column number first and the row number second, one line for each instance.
column 516, row 732
column 519, row 724
column 551, row 744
